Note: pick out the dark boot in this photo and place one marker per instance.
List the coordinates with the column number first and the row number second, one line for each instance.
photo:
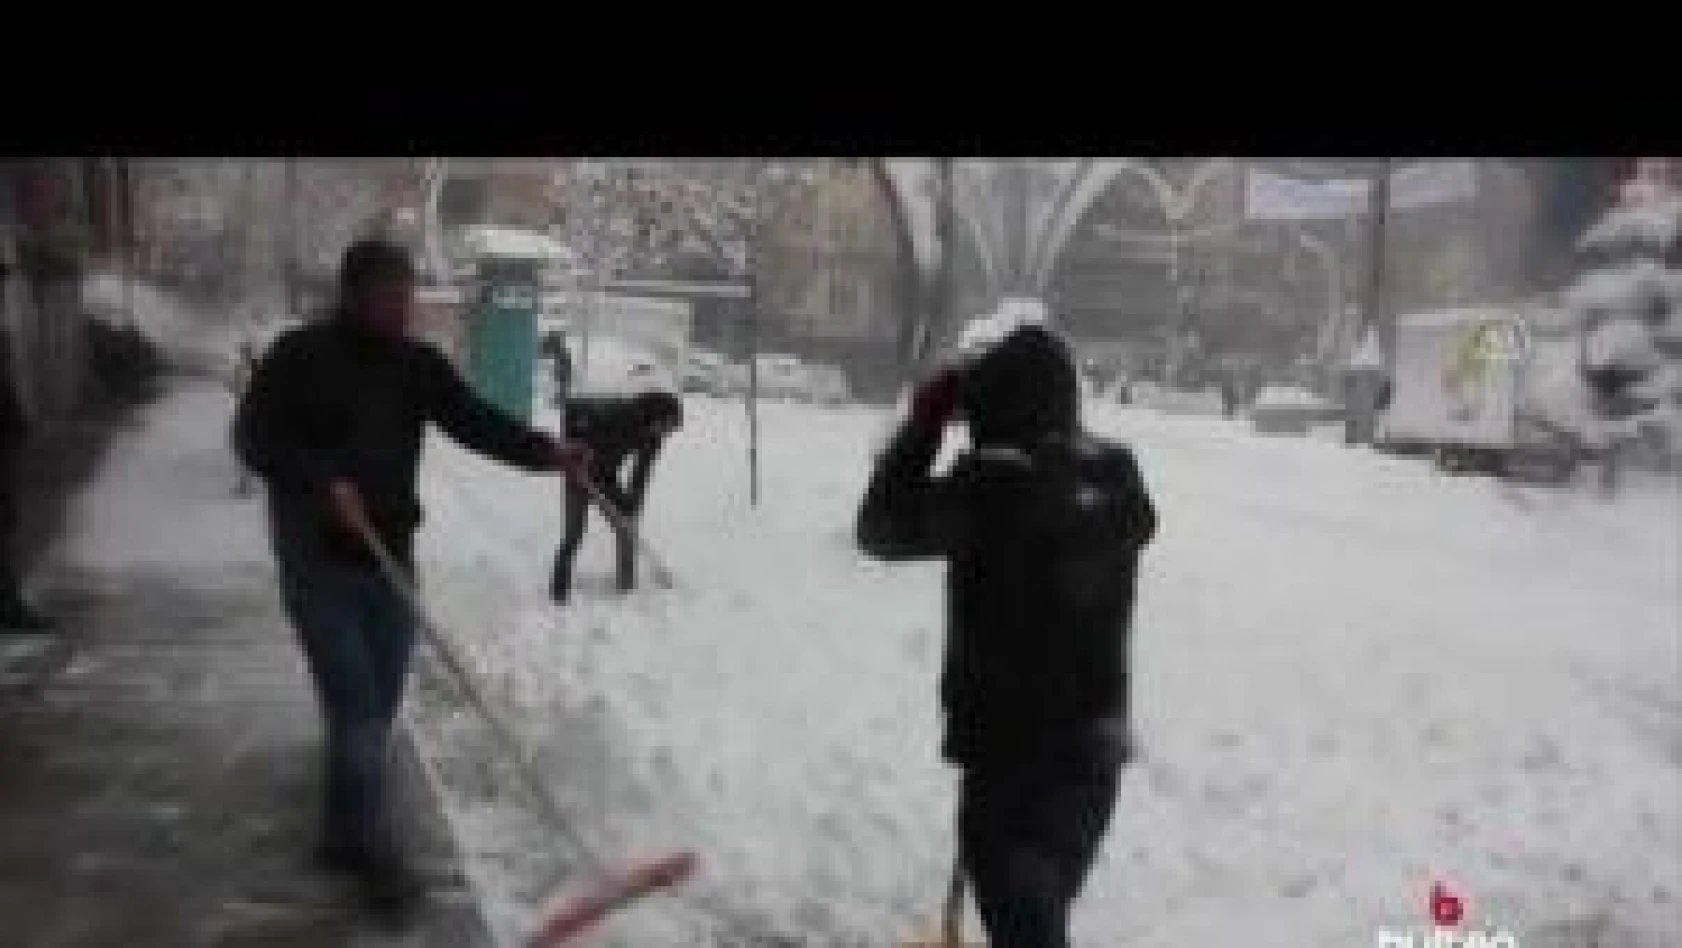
column 625, row 579
column 391, row 889
column 17, row 618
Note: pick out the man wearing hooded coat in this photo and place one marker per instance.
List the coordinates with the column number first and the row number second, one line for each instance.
column 1042, row 526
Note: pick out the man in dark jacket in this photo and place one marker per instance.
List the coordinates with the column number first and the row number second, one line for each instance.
column 1042, row 526
column 334, row 420
column 615, row 429
column 15, row 614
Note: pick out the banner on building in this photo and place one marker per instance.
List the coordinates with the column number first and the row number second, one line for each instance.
column 1426, row 183
column 1276, row 197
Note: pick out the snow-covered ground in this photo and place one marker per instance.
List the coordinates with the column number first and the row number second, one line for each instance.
column 1354, row 677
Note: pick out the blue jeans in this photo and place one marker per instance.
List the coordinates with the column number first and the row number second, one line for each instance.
column 358, row 634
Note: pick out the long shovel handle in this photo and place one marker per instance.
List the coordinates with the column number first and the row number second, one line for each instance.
column 952, row 920
column 504, row 732
column 400, row 580
column 625, row 527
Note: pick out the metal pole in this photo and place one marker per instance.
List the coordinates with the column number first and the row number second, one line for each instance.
column 1361, row 423
column 294, row 304
column 946, row 298
column 752, row 260
column 1377, row 313
column 125, row 172
column 1176, row 347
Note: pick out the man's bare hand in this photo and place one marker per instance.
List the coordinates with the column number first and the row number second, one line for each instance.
column 571, row 457
column 347, row 505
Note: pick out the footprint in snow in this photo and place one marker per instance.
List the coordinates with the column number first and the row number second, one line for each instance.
column 1297, row 887
column 1543, row 755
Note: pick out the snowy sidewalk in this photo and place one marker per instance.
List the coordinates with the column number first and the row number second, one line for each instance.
column 158, row 783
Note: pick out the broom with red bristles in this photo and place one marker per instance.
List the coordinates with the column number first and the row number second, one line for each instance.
column 569, row 914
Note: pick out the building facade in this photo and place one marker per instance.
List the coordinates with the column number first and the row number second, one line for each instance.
column 835, row 281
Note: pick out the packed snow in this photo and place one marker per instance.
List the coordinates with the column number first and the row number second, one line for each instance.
column 166, row 498
column 510, row 243
column 1354, row 676
column 983, row 332
column 1656, row 223
column 1289, row 396
column 1624, row 288
column 184, row 337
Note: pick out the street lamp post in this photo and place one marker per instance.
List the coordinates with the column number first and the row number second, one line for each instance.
column 755, row 231
column 753, row 367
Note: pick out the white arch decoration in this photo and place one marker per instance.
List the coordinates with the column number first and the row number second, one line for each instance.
column 1094, row 177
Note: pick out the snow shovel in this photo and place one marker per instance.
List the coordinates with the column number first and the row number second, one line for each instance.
column 626, row 529
column 568, row 915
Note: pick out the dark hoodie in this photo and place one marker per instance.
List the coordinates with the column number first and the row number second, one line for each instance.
column 330, row 400
column 1042, row 526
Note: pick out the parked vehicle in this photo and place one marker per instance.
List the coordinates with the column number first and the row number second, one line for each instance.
column 704, row 373
column 784, row 377
column 1485, row 389
column 610, row 365
column 829, row 385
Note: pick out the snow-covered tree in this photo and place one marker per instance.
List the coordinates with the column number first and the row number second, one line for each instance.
column 1628, row 302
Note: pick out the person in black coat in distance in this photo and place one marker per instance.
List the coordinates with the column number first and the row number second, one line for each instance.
column 1042, row 526
column 616, row 430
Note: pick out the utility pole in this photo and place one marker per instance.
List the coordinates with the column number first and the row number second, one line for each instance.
column 1378, row 212
column 1363, row 382
column 939, row 296
column 751, row 257
column 294, row 305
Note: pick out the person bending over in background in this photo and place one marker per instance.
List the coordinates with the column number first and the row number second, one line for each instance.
column 1042, row 526
column 615, row 429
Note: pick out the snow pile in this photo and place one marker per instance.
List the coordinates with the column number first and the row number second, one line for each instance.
column 1656, row 223
column 510, row 243
column 190, row 341
column 695, row 707
column 1627, row 288
column 1631, row 307
column 1012, row 313
column 1620, row 341
column 1158, row 397
column 611, row 365
column 1276, row 397
column 165, row 501
column 1368, row 355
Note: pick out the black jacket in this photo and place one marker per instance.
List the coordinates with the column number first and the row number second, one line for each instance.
column 616, row 430
column 328, row 401
column 1043, row 545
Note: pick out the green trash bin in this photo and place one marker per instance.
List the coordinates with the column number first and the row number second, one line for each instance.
column 502, row 335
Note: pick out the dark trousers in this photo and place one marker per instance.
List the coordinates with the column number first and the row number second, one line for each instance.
column 11, row 572
column 357, row 635
column 577, row 510
column 1028, row 836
